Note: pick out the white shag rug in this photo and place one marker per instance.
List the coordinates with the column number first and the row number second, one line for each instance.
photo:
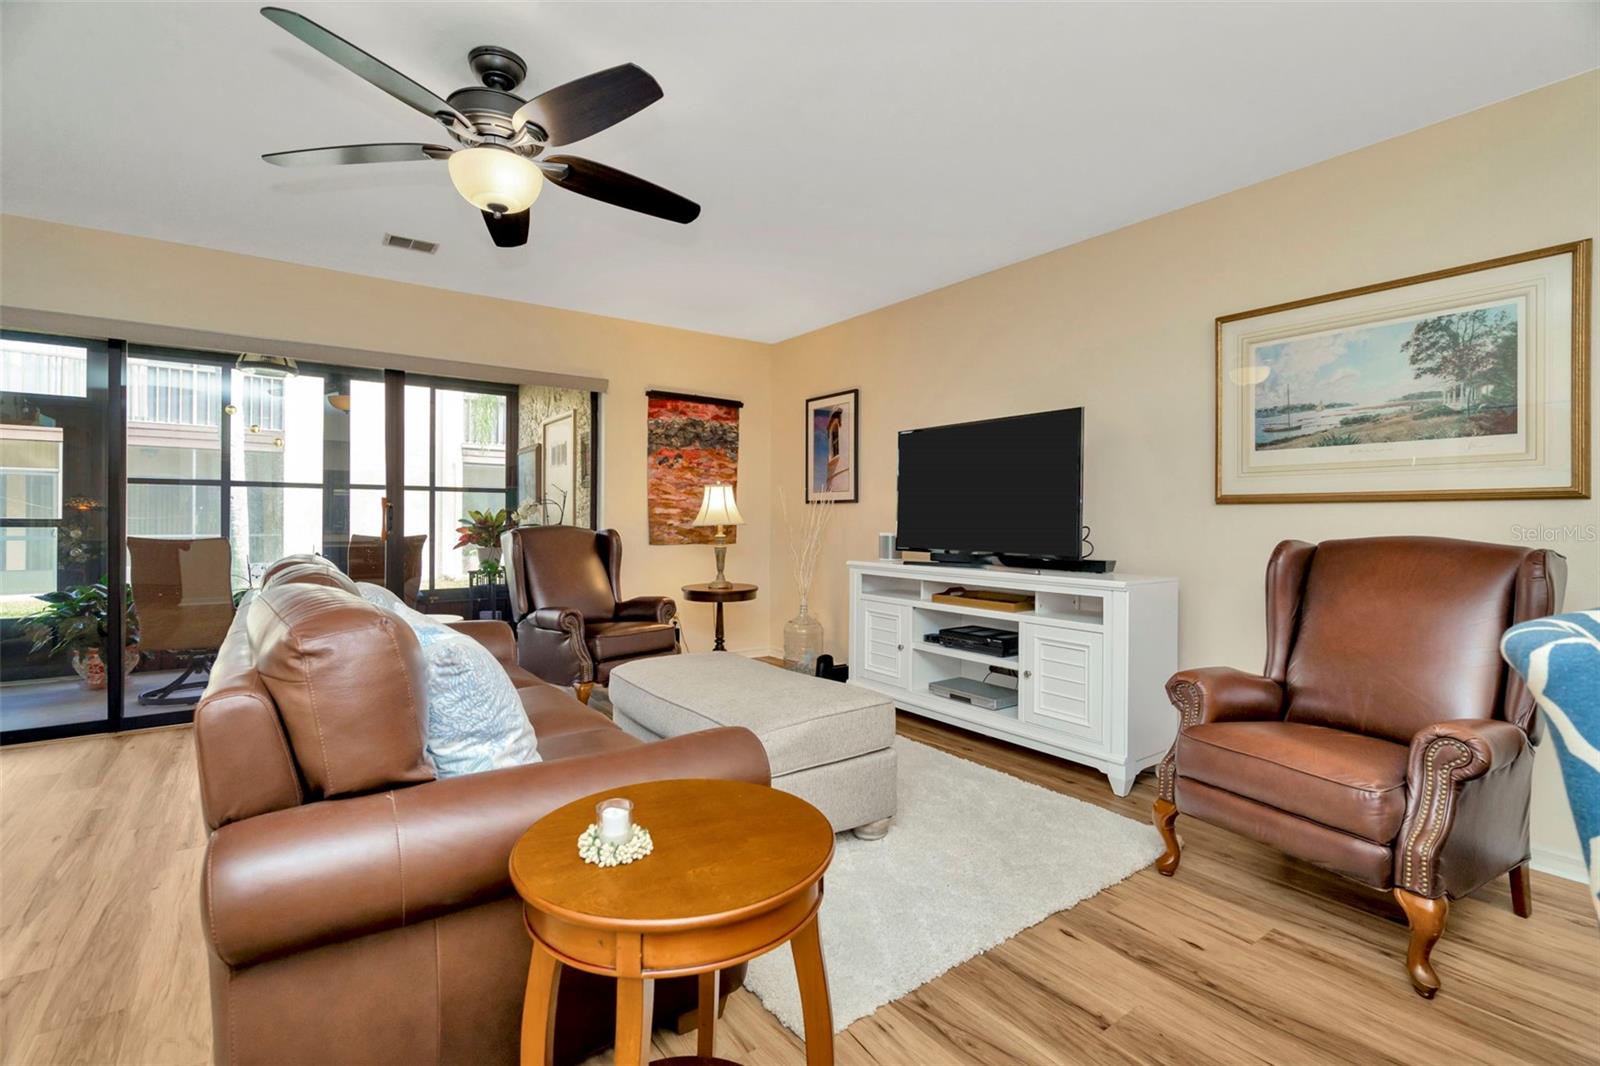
column 974, row 857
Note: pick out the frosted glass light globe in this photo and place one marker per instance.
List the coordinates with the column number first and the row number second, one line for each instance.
column 496, row 180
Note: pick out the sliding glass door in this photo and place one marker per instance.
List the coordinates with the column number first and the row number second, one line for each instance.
column 55, row 609
column 185, row 474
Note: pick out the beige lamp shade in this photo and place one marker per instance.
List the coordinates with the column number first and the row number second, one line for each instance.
column 717, row 508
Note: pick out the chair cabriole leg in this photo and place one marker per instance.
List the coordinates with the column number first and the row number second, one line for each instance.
column 1426, row 917
column 1164, row 813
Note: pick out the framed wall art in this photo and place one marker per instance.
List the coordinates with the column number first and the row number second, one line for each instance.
column 833, row 427
column 556, row 470
column 1463, row 384
column 692, row 442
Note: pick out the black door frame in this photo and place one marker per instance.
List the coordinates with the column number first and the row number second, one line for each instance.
column 116, row 497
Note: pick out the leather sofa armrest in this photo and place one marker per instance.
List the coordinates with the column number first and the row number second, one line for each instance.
column 1215, row 694
column 1223, row 694
column 331, row 871
column 494, row 635
column 1446, row 759
column 647, row 609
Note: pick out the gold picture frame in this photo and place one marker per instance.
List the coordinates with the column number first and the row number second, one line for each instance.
column 1533, row 433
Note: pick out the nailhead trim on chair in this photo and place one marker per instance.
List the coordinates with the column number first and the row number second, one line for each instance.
column 1186, row 697
column 1438, row 790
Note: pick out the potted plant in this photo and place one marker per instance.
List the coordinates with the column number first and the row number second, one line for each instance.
column 482, row 530
column 77, row 620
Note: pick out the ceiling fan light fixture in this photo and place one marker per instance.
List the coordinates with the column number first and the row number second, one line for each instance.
column 496, row 180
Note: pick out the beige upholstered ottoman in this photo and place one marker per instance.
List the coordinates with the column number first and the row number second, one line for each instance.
column 830, row 744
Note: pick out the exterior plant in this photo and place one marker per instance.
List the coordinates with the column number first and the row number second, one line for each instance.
column 77, row 620
column 482, row 529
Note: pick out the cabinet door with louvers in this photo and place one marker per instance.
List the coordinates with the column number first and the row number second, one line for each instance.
column 884, row 656
column 1063, row 683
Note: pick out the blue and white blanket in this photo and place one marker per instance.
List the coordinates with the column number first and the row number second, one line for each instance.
column 1559, row 657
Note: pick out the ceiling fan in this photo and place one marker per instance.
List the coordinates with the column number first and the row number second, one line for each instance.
column 498, row 163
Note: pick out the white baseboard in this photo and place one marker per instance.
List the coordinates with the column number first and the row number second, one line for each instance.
column 1560, row 863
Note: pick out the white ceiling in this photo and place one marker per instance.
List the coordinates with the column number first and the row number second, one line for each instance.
column 847, row 156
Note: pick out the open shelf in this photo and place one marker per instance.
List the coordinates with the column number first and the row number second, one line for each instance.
column 970, row 711
column 1008, row 661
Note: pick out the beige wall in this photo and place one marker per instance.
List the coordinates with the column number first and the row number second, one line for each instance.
column 1123, row 325
column 69, row 270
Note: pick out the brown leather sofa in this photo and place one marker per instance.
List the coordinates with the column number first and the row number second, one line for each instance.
column 1385, row 739
column 573, row 625
column 356, row 909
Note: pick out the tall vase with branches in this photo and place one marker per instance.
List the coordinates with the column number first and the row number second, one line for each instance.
column 802, row 634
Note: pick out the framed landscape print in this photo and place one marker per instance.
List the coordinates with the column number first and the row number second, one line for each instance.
column 833, row 424
column 1470, row 383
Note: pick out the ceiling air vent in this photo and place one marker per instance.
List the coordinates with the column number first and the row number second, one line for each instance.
column 410, row 244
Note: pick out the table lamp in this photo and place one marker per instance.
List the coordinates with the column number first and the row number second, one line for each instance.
column 717, row 508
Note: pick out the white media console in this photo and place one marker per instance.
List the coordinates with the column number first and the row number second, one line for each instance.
column 1093, row 657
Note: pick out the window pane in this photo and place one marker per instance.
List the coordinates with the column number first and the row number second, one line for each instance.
column 470, row 439
column 174, row 418
column 278, row 430
column 27, row 567
column 417, row 542
column 454, row 564
column 416, row 435
column 43, row 369
column 30, row 472
column 367, row 436
column 52, row 531
column 269, row 523
column 174, row 511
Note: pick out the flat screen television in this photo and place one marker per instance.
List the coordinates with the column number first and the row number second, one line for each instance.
column 1006, row 487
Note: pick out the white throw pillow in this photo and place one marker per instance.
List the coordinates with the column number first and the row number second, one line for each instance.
column 475, row 717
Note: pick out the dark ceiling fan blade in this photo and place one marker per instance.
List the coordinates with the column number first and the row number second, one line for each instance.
column 358, row 153
column 508, row 231
column 609, row 185
column 584, row 107
column 366, row 66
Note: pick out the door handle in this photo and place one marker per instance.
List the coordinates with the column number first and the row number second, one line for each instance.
column 1027, row 673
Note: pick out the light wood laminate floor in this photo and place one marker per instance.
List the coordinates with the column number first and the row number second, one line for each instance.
column 1244, row 957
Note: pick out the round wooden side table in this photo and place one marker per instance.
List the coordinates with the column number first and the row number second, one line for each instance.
column 706, row 593
column 736, row 872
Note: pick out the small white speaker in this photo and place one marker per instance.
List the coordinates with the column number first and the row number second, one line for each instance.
column 886, row 546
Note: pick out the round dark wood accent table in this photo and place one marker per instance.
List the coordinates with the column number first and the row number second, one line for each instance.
column 736, row 872
column 704, row 593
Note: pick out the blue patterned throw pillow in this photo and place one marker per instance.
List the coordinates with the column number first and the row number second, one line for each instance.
column 475, row 717
column 1559, row 658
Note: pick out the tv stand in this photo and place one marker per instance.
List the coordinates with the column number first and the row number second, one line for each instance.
column 1093, row 656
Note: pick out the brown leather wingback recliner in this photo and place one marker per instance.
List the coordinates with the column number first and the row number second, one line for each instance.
column 573, row 625
column 356, row 910
column 1385, row 739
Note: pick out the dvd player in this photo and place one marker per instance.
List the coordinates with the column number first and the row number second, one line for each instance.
column 985, row 639
column 977, row 693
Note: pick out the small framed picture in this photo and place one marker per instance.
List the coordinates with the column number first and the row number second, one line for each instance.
column 833, row 424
